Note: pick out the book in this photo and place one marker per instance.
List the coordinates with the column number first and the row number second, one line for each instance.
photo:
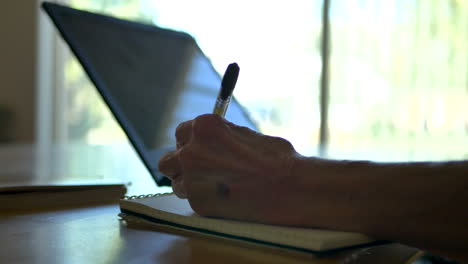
column 168, row 211
column 40, row 195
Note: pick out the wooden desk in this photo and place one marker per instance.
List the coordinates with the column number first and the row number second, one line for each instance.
column 96, row 235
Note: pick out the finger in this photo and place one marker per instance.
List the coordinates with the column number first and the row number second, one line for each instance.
column 169, row 164
column 207, row 189
column 209, row 197
column 178, row 187
column 210, row 204
column 183, row 133
column 209, row 127
column 203, row 198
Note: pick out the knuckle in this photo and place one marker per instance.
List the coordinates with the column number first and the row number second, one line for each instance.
column 186, row 153
column 282, row 143
column 164, row 161
column 207, row 126
column 183, row 129
column 285, row 143
column 188, row 157
column 242, row 129
column 208, row 118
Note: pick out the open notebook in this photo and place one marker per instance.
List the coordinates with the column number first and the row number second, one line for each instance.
column 169, row 211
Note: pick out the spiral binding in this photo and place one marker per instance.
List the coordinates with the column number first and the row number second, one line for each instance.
column 142, row 196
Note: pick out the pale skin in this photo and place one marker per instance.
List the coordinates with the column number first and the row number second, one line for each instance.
column 229, row 171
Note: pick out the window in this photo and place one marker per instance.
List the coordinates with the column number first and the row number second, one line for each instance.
column 277, row 54
column 399, row 80
column 396, row 86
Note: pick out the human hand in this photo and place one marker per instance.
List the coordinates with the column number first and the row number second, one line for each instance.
column 229, row 171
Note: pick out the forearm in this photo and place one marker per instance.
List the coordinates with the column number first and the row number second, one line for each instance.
column 421, row 204
column 264, row 180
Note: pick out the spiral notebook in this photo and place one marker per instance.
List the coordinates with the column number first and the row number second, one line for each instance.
column 168, row 211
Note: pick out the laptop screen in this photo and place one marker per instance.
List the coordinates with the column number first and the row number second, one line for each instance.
column 151, row 78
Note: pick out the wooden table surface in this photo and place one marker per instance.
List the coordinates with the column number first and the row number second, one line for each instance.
column 95, row 234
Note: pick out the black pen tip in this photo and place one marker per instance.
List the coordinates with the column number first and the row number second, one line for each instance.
column 229, row 80
column 234, row 65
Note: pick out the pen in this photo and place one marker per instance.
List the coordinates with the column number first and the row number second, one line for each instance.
column 227, row 86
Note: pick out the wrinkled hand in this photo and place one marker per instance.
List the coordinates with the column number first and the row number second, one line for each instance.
column 228, row 171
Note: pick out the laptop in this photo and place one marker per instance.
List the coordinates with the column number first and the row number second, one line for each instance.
column 151, row 78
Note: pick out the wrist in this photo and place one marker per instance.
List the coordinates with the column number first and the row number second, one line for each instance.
column 328, row 188
column 303, row 185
